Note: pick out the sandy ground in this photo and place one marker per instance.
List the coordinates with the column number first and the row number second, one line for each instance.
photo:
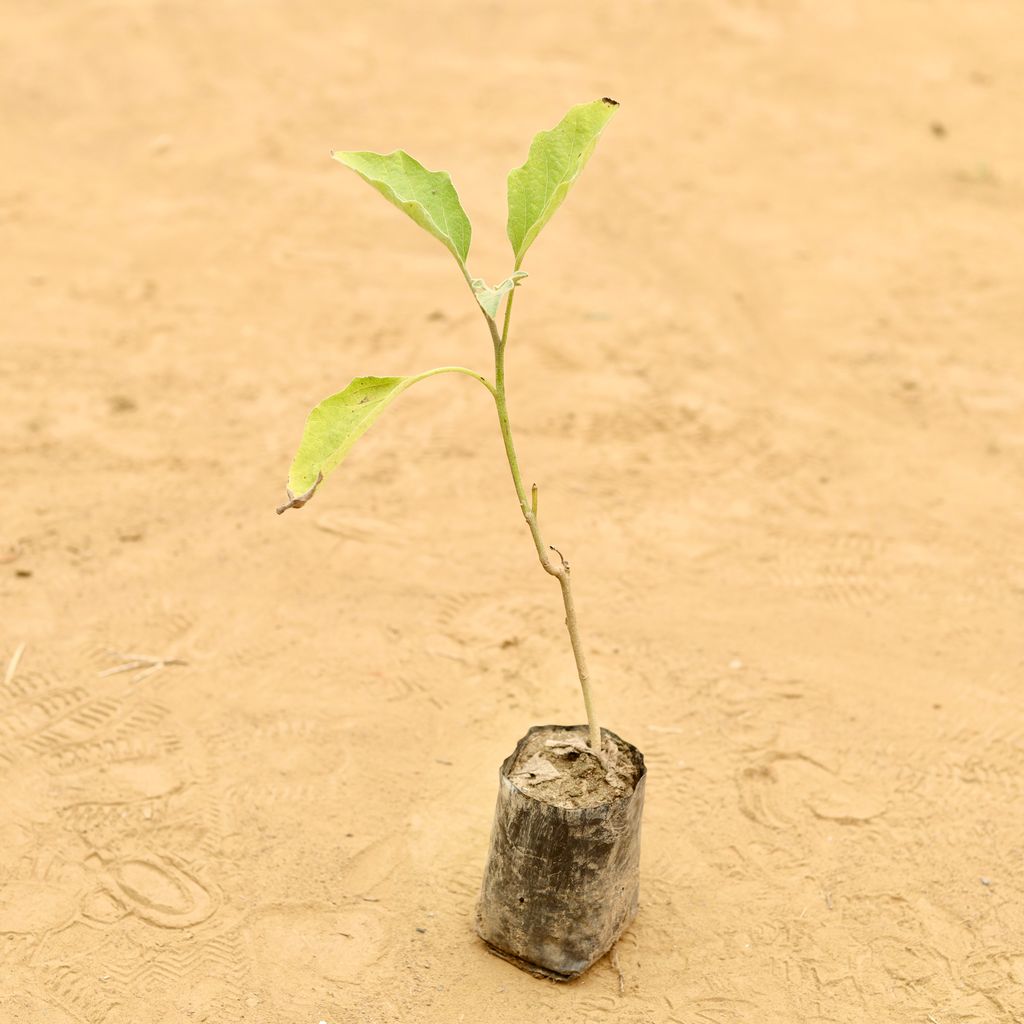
column 768, row 373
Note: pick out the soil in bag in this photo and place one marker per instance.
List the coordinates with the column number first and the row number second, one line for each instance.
column 562, row 878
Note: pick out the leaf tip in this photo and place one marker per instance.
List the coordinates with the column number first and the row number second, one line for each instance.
column 609, row 102
column 300, row 500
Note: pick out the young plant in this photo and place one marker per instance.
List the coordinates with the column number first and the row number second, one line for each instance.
column 535, row 191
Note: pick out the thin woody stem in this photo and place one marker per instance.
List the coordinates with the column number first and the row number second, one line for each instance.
column 527, row 504
column 581, row 661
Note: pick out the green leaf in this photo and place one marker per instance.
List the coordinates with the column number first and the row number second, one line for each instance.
column 429, row 197
column 556, row 158
column 339, row 421
column 490, row 298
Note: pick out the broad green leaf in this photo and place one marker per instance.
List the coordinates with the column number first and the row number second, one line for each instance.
column 556, row 158
column 339, row 421
column 429, row 197
column 490, row 298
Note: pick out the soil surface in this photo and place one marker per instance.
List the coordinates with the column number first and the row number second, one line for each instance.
column 557, row 766
column 767, row 372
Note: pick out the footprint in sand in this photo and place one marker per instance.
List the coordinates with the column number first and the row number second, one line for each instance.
column 781, row 788
column 157, row 888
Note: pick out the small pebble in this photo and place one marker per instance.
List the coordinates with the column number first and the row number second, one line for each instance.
column 121, row 403
column 986, row 881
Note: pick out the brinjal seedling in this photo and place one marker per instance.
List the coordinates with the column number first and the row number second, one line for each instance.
column 562, row 876
column 535, row 191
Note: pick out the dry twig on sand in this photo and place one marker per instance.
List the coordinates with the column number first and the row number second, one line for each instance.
column 144, row 664
column 12, row 665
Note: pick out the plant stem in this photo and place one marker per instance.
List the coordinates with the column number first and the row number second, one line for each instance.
column 559, row 570
column 508, row 317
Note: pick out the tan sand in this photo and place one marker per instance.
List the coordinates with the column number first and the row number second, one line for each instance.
column 768, row 372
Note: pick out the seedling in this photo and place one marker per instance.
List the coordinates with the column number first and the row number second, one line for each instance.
column 535, row 191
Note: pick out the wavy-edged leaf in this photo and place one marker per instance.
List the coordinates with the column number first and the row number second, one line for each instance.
column 556, row 158
column 490, row 298
column 428, row 197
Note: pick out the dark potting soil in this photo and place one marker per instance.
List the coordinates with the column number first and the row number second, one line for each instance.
column 558, row 767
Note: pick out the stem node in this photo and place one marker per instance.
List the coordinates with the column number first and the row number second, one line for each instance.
column 561, row 557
